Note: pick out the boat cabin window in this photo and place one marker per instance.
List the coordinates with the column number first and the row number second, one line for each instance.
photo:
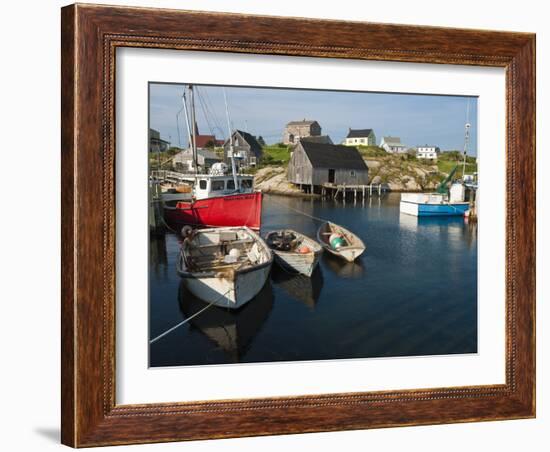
column 246, row 183
column 202, row 184
column 231, row 185
column 218, row 185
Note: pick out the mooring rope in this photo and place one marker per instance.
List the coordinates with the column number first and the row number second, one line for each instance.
column 313, row 217
column 183, row 322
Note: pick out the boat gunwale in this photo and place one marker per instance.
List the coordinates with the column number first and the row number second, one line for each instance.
column 319, row 248
column 355, row 236
column 211, row 273
column 228, row 195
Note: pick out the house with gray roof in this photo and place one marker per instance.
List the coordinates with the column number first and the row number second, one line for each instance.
column 393, row 145
column 360, row 137
column 156, row 143
column 245, row 147
column 316, row 164
column 295, row 130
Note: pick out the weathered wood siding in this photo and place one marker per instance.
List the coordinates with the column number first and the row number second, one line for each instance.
column 299, row 167
column 300, row 171
column 350, row 177
column 244, row 148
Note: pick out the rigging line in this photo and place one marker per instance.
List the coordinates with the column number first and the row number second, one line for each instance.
column 212, row 112
column 299, row 211
column 204, row 112
column 183, row 322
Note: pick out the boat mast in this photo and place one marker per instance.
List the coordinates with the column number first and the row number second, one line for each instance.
column 193, row 129
column 466, row 138
column 186, row 114
column 233, row 169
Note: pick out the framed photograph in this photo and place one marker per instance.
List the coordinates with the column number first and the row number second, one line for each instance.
column 282, row 225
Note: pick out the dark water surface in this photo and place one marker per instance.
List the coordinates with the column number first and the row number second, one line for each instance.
column 413, row 292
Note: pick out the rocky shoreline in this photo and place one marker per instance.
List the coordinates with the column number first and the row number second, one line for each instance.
column 406, row 177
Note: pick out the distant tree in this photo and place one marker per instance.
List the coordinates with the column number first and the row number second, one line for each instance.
column 173, row 150
column 451, row 155
column 210, row 144
column 261, row 141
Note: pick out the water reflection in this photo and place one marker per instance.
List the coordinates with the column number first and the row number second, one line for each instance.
column 231, row 330
column 299, row 287
column 418, row 296
column 344, row 269
column 158, row 256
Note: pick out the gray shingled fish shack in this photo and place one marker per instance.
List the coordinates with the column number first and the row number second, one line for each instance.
column 318, row 164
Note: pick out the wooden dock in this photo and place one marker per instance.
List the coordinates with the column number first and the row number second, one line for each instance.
column 330, row 190
column 156, row 221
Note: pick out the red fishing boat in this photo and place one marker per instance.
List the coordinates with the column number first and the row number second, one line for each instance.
column 219, row 199
column 214, row 202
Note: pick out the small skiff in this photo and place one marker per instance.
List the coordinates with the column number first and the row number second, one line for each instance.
column 226, row 267
column 340, row 242
column 294, row 251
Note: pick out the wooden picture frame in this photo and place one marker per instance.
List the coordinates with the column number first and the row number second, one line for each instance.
column 90, row 36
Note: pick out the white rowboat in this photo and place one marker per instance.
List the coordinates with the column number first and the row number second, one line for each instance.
column 353, row 246
column 292, row 258
column 226, row 267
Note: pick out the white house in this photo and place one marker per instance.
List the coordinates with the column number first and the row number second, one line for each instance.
column 358, row 137
column 393, row 145
column 427, row 152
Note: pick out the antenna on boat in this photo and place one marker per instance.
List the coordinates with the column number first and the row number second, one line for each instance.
column 466, row 138
column 233, row 170
column 193, row 129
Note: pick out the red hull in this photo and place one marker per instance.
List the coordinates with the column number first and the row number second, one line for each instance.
column 243, row 209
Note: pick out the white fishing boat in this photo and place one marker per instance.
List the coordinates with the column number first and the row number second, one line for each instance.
column 340, row 242
column 224, row 266
column 294, row 251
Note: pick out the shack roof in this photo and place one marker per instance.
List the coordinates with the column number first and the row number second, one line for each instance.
column 303, row 122
column 204, row 140
column 317, row 139
column 322, row 155
column 359, row 133
column 394, row 141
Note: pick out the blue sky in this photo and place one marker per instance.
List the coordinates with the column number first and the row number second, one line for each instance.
column 418, row 119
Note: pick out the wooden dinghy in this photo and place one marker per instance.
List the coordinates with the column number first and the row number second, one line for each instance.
column 226, row 267
column 294, row 251
column 340, row 242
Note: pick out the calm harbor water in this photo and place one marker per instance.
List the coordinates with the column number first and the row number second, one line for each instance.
column 413, row 292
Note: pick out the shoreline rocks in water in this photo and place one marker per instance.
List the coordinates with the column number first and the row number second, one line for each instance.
column 273, row 180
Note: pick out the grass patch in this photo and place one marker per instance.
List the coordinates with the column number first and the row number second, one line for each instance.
column 276, row 155
column 446, row 166
column 371, row 151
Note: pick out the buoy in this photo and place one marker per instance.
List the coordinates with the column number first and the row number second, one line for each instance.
column 336, row 240
column 234, row 252
column 304, row 249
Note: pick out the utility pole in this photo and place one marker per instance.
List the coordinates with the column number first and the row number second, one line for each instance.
column 466, row 138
